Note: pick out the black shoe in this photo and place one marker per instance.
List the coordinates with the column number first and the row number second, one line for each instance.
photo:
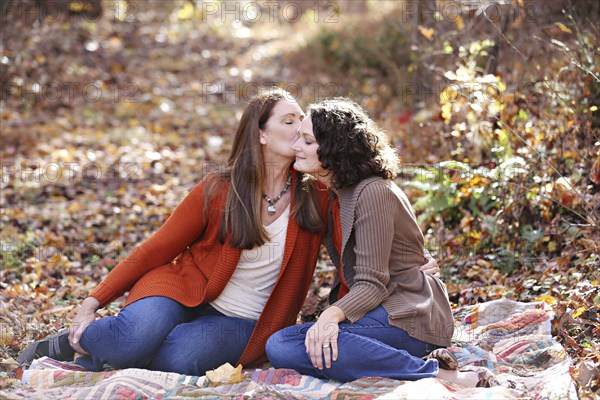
column 55, row 346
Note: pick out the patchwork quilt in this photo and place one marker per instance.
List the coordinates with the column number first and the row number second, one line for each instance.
column 510, row 338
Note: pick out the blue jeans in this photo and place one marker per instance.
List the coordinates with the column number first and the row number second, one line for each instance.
column 159, row 333
column 368, row 347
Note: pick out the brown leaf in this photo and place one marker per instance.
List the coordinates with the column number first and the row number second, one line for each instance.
column 6, row 335
column 8, row 364
column 595, row 171
column 585, row 371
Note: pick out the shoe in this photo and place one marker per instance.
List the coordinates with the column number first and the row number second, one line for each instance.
column 446, row 359
column 48, row 347
column 485, row 377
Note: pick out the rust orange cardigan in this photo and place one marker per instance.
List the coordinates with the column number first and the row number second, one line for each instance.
column 204, row 265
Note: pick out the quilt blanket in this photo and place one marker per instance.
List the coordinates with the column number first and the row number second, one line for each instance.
column 510, row 338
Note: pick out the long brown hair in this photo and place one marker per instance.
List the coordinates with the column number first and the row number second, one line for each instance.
column 246, row 173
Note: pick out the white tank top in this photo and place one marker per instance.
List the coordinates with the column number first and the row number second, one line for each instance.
column 246, row 293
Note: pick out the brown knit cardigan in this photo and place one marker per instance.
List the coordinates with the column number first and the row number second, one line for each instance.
column 382, row 249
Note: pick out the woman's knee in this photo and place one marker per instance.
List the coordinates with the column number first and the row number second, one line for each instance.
column 273, row 347
column 283, row 346
column 131, row 338
column 203, row 344
column 120, row 330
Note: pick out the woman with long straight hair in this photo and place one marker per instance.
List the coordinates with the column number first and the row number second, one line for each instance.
column 231, row 266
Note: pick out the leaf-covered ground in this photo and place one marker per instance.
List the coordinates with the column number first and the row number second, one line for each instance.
column 131, row 109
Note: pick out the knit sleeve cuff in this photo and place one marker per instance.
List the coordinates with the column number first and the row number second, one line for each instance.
column 356, row 304
column 104, row 294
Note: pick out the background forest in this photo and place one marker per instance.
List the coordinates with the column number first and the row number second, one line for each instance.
column 112, row 110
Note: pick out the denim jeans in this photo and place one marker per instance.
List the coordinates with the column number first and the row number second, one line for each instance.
column 368, row 347
column 159, row 333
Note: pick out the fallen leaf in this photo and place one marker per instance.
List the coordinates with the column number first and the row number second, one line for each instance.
column 8, row 364
column 550, row 300
column 225, row 374
column 6, row 335
column 460, row 23
column 427, row 32
column 586, row 371
column 579, row 311
column 563, row 27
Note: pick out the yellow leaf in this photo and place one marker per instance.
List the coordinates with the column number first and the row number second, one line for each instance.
column 56, row 258
column 121, row 10
column 563, row 27
column 76, row 7
column 447, row 112
column 74, row 208
column 570, row 154
column 427, row 32
column 474, row 238
column 449, row 95
column 550, row 300
column 578, row 312
column 460, row 23
column 186, row 12
column 224, row 374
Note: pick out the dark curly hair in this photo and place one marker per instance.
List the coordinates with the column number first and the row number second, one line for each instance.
column 351, row 145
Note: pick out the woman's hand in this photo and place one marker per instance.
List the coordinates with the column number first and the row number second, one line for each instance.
column 322, row 338
column 432, row 267
column 85, row 315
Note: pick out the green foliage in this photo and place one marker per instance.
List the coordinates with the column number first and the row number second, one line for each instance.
column 14, row 253
column 521, row 187
column 471, row 201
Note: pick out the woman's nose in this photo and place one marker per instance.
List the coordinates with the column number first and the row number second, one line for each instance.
column 295, row 146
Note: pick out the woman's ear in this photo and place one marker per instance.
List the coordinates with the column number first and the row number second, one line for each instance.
column 262, row 137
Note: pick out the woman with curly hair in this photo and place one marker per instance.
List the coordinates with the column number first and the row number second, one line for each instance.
column 385, row 314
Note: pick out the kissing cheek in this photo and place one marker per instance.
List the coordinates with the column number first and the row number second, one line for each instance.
column 305, row 148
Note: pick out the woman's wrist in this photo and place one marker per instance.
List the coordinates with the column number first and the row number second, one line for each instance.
column 90, row 304
column 333, row 314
